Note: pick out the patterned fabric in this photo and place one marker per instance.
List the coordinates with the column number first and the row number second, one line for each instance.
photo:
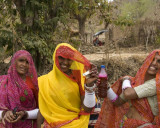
column 16, row 93
column 94, row 115
column 122, row 121
column 110, row 116
column 60, row 95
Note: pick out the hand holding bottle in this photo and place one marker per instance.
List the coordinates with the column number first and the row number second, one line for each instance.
column 93, row 76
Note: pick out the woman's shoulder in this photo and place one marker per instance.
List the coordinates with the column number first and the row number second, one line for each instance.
column 43, row 78
column 151, row 81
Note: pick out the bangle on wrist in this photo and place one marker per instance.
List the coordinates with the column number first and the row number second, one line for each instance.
column 90, row 89
column 89, row 99
column 126, row 78
column 112, row 95
column 126, row 84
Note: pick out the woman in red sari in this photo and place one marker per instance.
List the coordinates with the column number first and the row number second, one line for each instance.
column 137, row 104
column 19, row 90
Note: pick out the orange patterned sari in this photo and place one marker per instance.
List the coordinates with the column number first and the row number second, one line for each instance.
column 111, row 116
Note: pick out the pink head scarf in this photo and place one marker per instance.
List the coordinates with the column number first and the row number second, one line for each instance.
column 15, row 92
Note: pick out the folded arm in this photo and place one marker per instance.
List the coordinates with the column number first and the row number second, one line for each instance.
column 145, row 90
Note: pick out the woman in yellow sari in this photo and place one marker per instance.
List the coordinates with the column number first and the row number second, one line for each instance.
column 63, row 101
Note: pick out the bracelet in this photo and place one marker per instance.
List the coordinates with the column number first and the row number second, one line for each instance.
column 126, row 84
column 32, row 114
column 112, row 95
column 126, row 78
column 90, row 89
column 89, row 99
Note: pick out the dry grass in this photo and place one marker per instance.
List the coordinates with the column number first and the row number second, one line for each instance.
column 118, row 67
column 121, row 67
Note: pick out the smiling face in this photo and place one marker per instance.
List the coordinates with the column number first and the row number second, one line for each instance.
column 22, row 66
column 154, row 66
column 64, row 64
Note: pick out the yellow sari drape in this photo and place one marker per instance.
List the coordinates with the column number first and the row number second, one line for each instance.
column 59, row 97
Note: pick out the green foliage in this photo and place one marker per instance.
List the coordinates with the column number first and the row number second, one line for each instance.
column 3, row 53
column 30, row 26
column 80, row 8
column 106, row 11
column 157, row 40
column 75, row 43
column 133, row 11
column 8, row 20
column 124, row 21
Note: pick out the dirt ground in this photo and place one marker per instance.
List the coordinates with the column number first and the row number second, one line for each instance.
column 101, row 56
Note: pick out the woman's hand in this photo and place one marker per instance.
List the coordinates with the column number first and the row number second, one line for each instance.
column 8, row 116
column 21, row 115
column 93, row 76
column 12, row 118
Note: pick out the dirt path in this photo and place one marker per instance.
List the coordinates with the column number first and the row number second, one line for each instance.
column 100, row 56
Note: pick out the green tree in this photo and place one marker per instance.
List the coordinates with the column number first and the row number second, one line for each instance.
column 30, row 24
column 133, row 11
column 81, row 10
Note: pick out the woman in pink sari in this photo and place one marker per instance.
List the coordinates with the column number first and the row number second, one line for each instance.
column 19, row 90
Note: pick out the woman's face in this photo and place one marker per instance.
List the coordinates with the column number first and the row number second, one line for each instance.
column 22, row 65
column 64, row 64
column 154, row 66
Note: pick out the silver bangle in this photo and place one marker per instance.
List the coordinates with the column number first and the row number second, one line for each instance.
column 126, row 78
column 90, row 89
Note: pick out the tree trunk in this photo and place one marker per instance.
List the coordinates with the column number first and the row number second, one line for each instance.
column 81, row 22
column 107, row 41
column 19, row 4
column 37, row 61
